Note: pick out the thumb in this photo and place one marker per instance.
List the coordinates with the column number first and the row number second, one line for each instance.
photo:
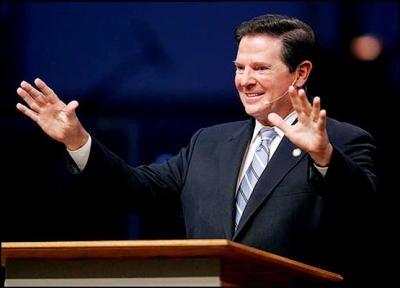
column 277, row 121
column 71, row 106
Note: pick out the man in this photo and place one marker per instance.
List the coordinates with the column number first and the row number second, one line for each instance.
column 309, row 203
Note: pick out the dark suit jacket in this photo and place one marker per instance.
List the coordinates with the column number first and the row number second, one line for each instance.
column 293, row 211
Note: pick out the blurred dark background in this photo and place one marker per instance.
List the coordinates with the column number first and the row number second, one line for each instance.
column 138, row 68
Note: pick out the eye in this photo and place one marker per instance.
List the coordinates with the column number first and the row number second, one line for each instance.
column 261, row 68
column 239, row 68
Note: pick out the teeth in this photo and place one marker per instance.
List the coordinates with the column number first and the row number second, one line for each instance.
column 253, row 95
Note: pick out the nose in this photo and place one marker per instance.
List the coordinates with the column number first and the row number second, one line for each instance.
column 247, row 77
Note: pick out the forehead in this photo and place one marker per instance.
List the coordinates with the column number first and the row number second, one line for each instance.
column 259, row 46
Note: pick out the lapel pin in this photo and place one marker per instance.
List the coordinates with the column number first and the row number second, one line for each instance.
column 296, row 152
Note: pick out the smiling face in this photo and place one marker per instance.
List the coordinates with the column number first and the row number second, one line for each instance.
column 262, row 78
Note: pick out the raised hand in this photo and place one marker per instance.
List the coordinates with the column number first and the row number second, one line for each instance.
column 56, row 119
column 309, row 133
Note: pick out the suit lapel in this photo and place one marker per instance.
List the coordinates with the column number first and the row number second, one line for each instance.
column 284, row 159
column 228, row 169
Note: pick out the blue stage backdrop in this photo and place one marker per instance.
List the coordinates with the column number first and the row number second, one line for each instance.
column 151, row 50
column 140, row 67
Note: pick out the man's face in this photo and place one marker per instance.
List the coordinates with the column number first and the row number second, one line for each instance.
column 262, row 77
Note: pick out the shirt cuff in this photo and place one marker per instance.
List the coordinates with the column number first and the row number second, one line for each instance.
column 81, row 155
column 321, row 169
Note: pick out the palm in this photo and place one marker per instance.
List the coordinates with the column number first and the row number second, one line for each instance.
column 306, row 135
column 56, row 119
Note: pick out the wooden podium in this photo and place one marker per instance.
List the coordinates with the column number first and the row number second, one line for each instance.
column 215, row 262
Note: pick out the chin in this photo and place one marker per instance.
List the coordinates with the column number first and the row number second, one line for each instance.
column 256, row 111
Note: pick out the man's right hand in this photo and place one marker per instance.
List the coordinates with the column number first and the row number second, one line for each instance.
column 56, row 119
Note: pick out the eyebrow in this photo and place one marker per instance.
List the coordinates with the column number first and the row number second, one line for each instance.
column 253, row 63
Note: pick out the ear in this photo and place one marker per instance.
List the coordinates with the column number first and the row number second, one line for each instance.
column 303, row 71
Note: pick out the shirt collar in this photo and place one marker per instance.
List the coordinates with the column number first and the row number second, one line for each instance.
column 288, row 119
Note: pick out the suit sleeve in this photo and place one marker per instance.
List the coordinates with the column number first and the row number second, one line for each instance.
column 351, row 174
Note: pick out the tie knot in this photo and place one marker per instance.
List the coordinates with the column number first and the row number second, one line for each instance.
column 267, row 133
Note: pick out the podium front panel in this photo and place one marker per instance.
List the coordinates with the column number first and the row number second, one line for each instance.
column 124, row 272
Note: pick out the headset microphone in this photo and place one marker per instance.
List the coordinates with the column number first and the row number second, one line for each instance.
column 283, row 95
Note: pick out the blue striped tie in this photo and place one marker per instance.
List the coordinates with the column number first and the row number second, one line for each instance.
column 260, row 160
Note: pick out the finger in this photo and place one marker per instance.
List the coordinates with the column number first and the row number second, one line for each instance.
column 316, row 108
column 33, row 103
column 299, row 99
column 277, row 121
column 303, row 102
column 24, row 95
column 293, row 94
column 322, row 120
column 46, row 90
column 300, row 103
column 32, row 91
column 71, row 107
column 28, row 112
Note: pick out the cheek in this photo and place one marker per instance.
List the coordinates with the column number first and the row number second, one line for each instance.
column 237, row 82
